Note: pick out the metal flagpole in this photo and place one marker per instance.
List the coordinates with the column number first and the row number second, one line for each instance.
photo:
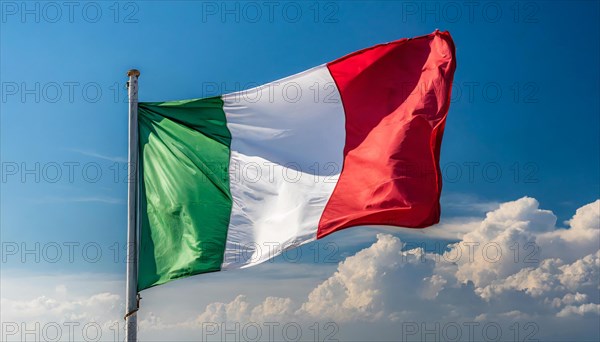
column 132, row 296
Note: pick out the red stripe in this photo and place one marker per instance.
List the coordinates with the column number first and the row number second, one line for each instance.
column 396, row 97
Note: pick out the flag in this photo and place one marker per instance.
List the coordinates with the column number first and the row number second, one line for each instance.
column 232, row 181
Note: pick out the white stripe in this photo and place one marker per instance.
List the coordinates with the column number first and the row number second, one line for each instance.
column 286, row 156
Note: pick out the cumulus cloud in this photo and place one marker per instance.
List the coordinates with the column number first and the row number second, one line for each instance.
column 64, row 308
column 515, row 266
column 505, row 268
column 583, row 309
column 581, row 238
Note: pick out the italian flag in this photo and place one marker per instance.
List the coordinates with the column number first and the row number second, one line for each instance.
column 231, row 181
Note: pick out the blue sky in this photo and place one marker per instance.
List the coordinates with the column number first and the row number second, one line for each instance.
column 525, row 104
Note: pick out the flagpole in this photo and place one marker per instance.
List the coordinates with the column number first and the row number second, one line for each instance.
column 132, row 205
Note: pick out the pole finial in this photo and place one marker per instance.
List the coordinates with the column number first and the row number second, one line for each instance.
column 133, row 72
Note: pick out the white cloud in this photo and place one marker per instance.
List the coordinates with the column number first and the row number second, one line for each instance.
column 353, row 292
column 583, row 309
column 582, row 237
column 76, row 199
column 467, row 203
column 75, row 311
column 97, row 155
column 507, row 269
column 498, row 266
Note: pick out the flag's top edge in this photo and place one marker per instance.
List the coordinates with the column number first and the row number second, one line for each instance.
column 437, row 33
column 443, row 34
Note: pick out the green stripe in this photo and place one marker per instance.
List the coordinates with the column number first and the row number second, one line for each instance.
column 185, row 197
